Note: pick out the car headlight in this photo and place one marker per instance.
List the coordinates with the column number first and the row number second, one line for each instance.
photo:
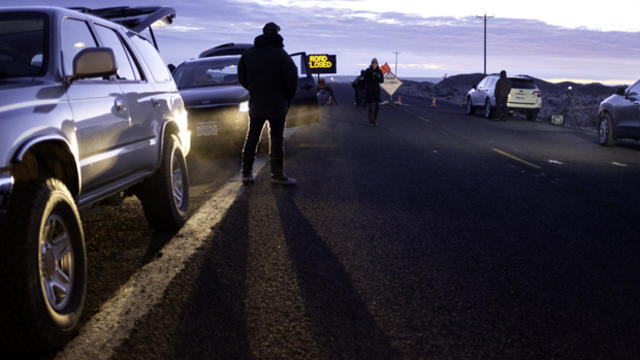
column 244, row 106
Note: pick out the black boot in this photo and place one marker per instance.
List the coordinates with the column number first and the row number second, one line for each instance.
column 371, row 119
column 247, row 170
column 278, row 176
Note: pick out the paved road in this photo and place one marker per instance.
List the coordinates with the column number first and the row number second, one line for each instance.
column 434, row 235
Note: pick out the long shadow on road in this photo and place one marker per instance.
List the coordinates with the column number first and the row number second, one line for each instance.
column 342, row 325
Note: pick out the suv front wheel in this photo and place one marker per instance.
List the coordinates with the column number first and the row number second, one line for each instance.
column 44, row 263
column 165, row 196
column 470, row 108
column 605, row 130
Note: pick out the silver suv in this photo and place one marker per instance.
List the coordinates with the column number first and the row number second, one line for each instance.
column 88, row 110
column 525, row 97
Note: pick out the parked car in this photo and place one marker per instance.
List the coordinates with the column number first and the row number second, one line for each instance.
column 525, row 97
column 88, row 111
column 216, row 102
column 304, row 109
column 619, row 116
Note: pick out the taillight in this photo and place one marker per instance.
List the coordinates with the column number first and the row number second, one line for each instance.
column 537, row 92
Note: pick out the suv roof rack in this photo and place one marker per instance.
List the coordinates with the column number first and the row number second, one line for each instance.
column 135, row 18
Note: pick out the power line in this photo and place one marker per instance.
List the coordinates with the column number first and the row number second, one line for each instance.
column 485, row 17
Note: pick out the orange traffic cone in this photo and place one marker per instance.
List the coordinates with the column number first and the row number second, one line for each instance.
column 399, row 100
column 433, row 102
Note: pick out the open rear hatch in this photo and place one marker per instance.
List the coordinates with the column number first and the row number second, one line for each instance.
column 137, row 19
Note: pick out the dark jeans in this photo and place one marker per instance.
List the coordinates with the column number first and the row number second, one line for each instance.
column 501, row 108
column 276, row 137
column 374, row 107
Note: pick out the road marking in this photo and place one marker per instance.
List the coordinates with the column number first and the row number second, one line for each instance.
column 106, row 330
column 551, row 161
column 424, row 119
column 513, row 157
column 619, row 164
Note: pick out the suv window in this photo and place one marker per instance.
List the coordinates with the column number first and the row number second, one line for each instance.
column 76, row 36
column 126, row 66
column 634, row 88
column 23, row 44
column 482, row 83
column 523, row 84
column 158, row 69
column 207, row 73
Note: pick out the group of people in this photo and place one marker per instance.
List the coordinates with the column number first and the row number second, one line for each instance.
column 270, row 76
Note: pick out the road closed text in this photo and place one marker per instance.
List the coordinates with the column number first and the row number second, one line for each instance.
column 322, row 64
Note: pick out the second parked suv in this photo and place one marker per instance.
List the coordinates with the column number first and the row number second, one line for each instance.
column 525, row 97
column 88, row 110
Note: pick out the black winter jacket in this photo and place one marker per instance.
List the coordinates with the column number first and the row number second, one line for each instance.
column 373, row 79
column 503, row 88
column 270, row 75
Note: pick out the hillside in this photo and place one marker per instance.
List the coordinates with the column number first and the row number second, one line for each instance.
column 582, row 112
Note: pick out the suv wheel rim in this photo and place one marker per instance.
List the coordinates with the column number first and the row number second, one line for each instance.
column 56, row 262
column 177, row 179
column 604, row 130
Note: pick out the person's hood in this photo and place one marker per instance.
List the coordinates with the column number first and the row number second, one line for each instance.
column 264, row 40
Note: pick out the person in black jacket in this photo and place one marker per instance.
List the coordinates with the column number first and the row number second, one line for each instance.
column 359, row 89
column 373, row 78
column 501, row 92
column 271, row 77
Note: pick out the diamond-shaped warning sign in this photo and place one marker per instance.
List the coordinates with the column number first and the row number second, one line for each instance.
column 391, row 83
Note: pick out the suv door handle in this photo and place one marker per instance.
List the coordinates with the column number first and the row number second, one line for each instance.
column 155, row 102
column 119, row 104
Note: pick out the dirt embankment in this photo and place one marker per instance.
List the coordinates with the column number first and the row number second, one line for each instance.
column 581, row 111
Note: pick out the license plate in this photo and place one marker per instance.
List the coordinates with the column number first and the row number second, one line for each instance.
column 207, row 130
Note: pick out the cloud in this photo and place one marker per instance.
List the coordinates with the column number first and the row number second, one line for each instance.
column 454, row 44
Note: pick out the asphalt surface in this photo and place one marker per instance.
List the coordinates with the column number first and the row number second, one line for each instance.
column 433, row 235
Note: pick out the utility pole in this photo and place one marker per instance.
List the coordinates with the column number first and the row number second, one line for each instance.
column 485, row 17
column 396, row 67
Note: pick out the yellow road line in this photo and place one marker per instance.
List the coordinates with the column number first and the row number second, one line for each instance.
column 513, row 157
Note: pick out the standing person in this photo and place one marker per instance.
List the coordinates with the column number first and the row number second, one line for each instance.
column 271, row 77
column 503, row 88
column 373, row 78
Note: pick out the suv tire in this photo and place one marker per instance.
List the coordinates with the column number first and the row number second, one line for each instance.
column 532, row 116
column 488, row 111
column 470, row 108
column 605, row 130
column 165, row 196
column 44, row 262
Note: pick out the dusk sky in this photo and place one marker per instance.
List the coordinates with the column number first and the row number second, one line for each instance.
column 547, row 39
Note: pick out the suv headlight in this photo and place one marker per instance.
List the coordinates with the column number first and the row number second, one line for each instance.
column 244, row 106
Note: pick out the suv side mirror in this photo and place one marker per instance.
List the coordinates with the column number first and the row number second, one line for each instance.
column 632, row 96
column 474, row 86
column 620, row 91
column 94, row 62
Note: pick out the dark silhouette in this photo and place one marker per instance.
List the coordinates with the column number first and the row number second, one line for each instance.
column 359, row 89
column 503, row 88
column 373, row 78
column 271, row 77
